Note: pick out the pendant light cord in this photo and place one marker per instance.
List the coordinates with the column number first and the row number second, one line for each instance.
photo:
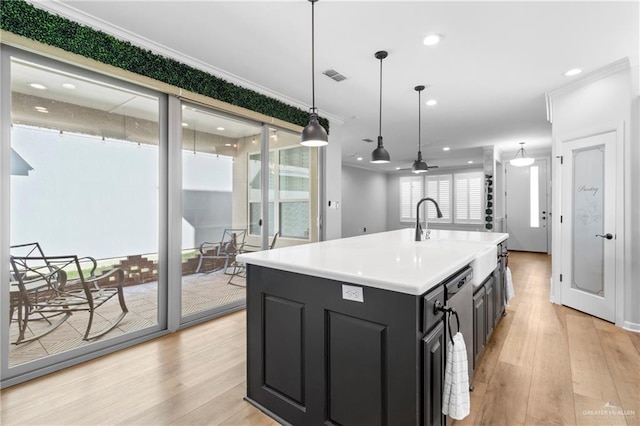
column 419, row 121
column 313, row 78
column 380, row 122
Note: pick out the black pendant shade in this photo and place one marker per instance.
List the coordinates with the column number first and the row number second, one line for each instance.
column 380, row 155
column 419, row 166
column 313, row 134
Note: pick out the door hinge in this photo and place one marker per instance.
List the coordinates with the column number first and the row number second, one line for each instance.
column 561, row 157
column 560, row 277
column 560, row 218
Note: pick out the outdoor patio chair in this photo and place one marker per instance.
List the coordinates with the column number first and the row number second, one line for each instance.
column 223, row 252
column 15, row 299
column 62, row 290
column 239, row 268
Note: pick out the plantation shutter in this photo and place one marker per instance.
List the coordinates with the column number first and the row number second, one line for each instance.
column 439, row 188
column 468, row 197
column 410, row 194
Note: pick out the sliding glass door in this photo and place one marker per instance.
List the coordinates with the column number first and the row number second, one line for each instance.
column 134, row 205
column 84, row 182
column 215, row 220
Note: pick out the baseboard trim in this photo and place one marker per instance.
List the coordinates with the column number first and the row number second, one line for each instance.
column 631, row 326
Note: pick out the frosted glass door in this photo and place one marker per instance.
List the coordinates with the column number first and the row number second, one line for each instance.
column 588, row 224
column 588, row 220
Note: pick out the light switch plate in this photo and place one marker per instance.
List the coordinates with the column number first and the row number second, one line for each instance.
column 352, row 292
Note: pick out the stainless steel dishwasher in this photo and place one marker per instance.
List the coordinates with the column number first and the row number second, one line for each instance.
column 459, row 296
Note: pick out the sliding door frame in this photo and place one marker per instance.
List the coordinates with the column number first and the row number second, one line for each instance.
column 51, row 363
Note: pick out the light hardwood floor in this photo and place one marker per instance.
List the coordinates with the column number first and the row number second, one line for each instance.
column 546, row 364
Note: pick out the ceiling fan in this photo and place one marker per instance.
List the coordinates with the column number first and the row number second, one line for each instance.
column 419, row 165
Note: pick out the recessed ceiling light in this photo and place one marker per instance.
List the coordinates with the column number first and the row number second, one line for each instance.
column 470, row 162
column 446, row 148
column 227, row 144
column 220, row 128
column 69, row 86
column 185, row 124
column 42, row 110
column 573, row 72
column 37, row 86
column 359, row 158
column 432, row 39
column 397, row 168
column 432, row 102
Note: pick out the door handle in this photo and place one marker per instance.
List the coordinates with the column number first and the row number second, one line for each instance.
column 607, row 236
column 260, row 222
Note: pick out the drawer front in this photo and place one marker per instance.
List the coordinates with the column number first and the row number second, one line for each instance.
column 429, row 316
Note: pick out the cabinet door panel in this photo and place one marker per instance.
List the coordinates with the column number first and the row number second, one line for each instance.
column 479, row 325
column 434, row 347
column 357, row 371
column 283, row 347
column 490, row 307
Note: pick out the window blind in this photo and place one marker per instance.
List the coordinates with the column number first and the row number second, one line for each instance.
column 439, row 188
column 468, row 197
column 410, row 193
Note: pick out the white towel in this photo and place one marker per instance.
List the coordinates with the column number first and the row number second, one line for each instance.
column 456, row 400
column 509, row 290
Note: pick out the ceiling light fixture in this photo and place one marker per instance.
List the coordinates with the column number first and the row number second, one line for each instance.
column 380, row 155
column 446, row 148
column 419, row 166
column 523, row 159
column 572, row 72
column 313, row 134
column 359, row 158
column 431, row 102
column 69, row 86
column 220, row 128
column 432, row 39
column 38, row 86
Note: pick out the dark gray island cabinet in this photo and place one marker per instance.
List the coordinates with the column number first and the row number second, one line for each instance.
column 317, row 358
column 344, row 332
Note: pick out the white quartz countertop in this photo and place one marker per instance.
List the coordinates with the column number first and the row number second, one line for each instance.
column 387, row 260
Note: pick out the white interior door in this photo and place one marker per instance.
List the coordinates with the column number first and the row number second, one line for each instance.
column 588, row 225
column 526, row 207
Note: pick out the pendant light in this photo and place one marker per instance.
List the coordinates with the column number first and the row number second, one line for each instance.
column 523, row 159
column 380, row 155
column 313, row 134
column 419, row 166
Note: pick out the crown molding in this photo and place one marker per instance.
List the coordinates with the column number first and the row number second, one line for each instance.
column 599, row 74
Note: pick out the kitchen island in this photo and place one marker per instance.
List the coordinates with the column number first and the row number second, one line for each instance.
column 345, row 331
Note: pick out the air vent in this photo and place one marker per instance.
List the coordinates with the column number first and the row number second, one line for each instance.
column 334, row 75
column 367, row 140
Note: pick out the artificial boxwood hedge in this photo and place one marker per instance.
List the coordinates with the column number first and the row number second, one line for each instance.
column 22, row 18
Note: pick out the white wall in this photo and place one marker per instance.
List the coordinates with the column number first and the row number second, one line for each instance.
column 364, row 201
column 605, row 99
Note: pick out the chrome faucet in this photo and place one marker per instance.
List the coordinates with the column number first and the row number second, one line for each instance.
column 418, row 227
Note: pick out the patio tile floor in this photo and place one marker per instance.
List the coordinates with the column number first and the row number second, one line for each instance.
column 199, row 292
